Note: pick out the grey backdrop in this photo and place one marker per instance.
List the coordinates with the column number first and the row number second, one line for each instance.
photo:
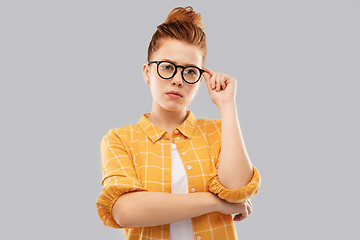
column 71, row 70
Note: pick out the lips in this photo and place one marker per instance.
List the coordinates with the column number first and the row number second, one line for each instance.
column 175, row 92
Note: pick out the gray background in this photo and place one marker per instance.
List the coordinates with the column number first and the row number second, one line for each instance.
column 71, row 70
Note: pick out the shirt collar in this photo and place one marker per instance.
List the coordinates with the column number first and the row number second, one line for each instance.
column 187, row 128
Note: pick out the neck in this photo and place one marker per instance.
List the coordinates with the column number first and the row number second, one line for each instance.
column 167, row 120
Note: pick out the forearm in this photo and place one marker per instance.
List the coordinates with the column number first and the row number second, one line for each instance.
column 139, row 209
column 235, row 169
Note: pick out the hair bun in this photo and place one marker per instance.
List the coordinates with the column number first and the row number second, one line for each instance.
column 185, row 14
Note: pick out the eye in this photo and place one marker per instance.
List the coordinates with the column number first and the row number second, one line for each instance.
column 166, row 66
column 190, row 71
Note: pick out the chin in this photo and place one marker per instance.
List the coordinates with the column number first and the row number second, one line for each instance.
column 173, row 108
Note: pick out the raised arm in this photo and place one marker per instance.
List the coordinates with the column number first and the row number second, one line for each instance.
column 234, row 178
column 235, row 169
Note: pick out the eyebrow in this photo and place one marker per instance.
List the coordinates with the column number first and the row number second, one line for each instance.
column 186, row 65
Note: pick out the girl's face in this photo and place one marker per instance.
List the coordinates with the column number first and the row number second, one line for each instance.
column 179, row 53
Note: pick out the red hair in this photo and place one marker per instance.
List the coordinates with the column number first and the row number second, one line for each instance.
column 181, row 24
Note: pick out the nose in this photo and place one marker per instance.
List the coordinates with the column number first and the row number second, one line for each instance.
column 177, row 78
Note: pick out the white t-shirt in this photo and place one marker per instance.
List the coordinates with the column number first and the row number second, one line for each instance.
column 181, row 230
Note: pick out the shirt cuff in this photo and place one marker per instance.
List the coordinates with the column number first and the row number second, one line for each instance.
column 235, row 195
column 107, row 198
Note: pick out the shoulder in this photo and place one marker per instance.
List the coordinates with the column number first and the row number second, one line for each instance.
column 123, row 131
column 209, row 126
column 120, row 134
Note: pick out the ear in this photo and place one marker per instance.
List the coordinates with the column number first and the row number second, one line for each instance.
column 146, row 73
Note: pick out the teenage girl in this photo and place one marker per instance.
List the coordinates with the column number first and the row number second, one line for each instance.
column 172, row 175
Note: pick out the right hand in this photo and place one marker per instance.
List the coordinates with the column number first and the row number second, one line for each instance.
column 242, row 209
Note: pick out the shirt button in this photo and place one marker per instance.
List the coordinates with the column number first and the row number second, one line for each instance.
column 193, row 189
column 189, row 167
column 176, row 131
column 178, row 138
column 198, row 238
column 184, row 153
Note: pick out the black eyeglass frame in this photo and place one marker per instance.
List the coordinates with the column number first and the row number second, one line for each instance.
column 176, row 67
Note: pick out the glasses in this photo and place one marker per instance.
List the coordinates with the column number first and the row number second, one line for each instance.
column 167, row 70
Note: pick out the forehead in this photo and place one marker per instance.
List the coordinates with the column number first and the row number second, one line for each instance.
column 178, row 52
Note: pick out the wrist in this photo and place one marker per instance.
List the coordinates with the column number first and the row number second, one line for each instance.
column 212, row 202
column 227, row 108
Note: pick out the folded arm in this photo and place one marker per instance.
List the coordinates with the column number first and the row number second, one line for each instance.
column 142, row 208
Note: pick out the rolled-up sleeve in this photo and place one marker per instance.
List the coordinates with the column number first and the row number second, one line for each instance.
column 118, row 176
column 235, row 195
column 214, row 184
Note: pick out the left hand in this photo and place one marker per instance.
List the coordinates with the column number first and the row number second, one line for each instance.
column 221, row 87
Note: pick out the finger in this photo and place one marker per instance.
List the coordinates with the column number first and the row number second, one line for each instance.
column 207, row 80
column 219, row 83
column 236, row 217
column 206, row 77
column 209, row 71
column 249, row 209
column 223, row 83
column 213, row 81
column 245, row 214
column 239, row 217
column 249, row 202
column 219, row 79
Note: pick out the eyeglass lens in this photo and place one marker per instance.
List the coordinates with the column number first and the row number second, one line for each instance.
column 190, row 74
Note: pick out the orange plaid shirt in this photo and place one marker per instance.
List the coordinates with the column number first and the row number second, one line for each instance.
column 137, row 157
